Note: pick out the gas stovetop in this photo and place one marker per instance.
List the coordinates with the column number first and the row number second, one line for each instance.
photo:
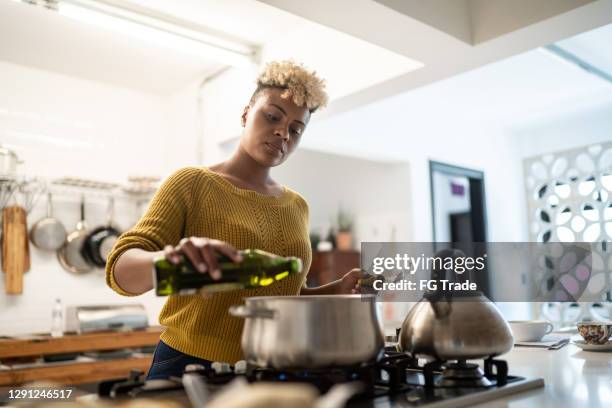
column 394, row 380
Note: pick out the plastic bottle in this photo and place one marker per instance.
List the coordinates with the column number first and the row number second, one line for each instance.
column 57, row 319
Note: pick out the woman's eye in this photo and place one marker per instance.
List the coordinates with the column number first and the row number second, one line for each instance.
column 272, row 117
column 296, row 132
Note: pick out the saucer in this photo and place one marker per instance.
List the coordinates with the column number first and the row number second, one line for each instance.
column 593, row 347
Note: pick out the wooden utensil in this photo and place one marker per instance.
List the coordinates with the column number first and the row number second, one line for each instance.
column 26, row 247
column 14, row 248
column 4, row 229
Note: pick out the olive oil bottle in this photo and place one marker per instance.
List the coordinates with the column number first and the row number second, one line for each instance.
column 258, row 268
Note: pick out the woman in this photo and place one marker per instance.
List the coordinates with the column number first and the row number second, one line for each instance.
column 203, row 212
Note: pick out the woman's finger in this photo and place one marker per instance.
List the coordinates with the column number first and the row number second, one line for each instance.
column 227, row 250
column 208, row 253
column 194, row 255
column 172, row 255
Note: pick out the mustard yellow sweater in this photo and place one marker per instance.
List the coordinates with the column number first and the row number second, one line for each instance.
column 195, row 201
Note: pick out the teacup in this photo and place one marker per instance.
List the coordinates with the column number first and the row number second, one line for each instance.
column 530, row 330
column 594, row 332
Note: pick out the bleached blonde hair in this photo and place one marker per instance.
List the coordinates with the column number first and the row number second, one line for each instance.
column 303, row 87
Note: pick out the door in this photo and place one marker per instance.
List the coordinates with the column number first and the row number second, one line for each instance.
column 459, row 212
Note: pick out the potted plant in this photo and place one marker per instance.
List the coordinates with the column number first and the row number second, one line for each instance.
column 344, row 236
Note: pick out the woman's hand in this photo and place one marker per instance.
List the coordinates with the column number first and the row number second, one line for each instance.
column 203, row 253
column 349, row 283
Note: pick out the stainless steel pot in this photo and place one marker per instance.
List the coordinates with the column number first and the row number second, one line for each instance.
column 8, row 163
column 455, row 326
column 309, row 331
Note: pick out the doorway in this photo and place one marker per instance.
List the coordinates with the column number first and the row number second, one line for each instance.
column 458, row 209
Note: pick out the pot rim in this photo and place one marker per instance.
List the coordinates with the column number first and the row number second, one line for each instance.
column 305, row 298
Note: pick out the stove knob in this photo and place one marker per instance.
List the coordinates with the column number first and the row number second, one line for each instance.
column 190, row 368
column 221, row 368
column 240, row 367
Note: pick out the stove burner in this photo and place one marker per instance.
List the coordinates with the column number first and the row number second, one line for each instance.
column 462, row 374
column 322, row 378
column 394, row 374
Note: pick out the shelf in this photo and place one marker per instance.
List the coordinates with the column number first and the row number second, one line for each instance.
column 75, row 372
column 45, row 345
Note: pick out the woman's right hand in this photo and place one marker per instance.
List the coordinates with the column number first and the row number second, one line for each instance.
column 203, row 253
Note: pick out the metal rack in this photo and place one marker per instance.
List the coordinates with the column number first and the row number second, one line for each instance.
column 25, row 191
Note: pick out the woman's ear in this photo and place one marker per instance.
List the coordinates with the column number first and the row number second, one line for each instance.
column 245, row 112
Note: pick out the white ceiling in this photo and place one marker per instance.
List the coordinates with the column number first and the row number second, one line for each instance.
column 526, row 91
column 367, row 56
column 46, row 40
column 43, row 39
column 481, row 32
column 594, row 47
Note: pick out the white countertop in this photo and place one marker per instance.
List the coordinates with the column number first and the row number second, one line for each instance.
column 573, row 378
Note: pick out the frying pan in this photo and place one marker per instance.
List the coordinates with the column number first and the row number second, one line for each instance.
column 101, row 240
column 69, row 254
column 48, row 233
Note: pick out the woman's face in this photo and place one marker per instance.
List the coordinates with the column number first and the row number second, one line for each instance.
column 272, row 127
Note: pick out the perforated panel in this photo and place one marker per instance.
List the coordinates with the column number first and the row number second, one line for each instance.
column 569, row 199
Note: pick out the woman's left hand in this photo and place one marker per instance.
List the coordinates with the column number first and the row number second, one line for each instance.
column 349, row 284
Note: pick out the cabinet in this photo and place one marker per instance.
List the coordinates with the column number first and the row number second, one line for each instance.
column 331, row 265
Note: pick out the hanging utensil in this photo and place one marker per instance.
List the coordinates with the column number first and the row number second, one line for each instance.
column 8, row 163
column 13, row 248
column 69, row 254
column 101, row 240
column 48, row 233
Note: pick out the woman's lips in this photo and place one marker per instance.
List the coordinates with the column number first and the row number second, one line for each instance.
column 274, row 148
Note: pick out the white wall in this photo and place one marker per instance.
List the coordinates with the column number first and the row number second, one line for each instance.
column 377, row 194
column 63, row 126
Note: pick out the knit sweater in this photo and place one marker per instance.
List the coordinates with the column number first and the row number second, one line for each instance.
column 195, row 201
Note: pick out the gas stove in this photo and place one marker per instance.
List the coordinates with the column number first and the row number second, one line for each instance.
column 394, row 380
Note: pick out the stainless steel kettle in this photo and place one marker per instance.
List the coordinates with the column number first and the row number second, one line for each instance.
column 454, row 325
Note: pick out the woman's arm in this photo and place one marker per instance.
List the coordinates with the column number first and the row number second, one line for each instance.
column 348, row 284
column 129, row 265
column 133, row 270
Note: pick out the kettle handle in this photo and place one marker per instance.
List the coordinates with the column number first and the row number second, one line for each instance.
column 438, row 272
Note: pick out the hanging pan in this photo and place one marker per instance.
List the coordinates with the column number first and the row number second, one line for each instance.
column 101, row 240
column 69, row 254
column 48, row 233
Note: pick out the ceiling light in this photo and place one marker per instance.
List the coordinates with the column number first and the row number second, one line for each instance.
column 159, row 32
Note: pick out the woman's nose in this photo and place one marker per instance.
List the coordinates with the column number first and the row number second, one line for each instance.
column 282, row 133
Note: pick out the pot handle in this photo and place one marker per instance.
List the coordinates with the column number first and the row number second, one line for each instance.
column 245, row 311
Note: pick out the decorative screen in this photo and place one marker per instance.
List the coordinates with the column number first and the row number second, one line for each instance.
column 569, row 199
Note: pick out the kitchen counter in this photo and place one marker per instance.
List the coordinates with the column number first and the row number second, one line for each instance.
column 573, row 378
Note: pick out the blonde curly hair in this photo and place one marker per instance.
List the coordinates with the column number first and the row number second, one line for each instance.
column 304, row 88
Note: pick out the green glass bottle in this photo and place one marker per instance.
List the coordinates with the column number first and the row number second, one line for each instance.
column 258, row 268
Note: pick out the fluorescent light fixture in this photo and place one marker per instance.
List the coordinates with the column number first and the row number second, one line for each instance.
column 158, row 32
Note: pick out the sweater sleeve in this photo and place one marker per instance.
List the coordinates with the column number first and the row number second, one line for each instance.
column 162, row 224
